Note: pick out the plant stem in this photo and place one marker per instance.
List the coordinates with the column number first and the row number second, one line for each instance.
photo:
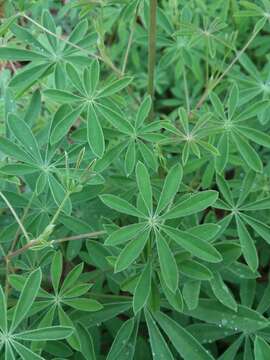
column 132, row 29
column 26, row 210
column 186, row 89
column 228, row 68
column 152, row 49
column 15, row 216
column 35, row 242
column 105, row 59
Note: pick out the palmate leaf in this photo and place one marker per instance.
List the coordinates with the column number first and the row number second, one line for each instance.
column 120, row 205
column 24, row 135
column 168, row 266
column 193, row 244
column 124, row 234
column 248, row 153
column 132, row 250
column 26, row 299
column 94, row 132
column 122, row 337
column 185, row 344
column 247, row 245
column 170, row 187
column 144, row 185
column 158, row 344
column 45, row 334
column 195, row 203
column 143, row 288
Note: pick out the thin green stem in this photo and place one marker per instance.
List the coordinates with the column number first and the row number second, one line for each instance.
column 60, row 208
column 26, row 210
column 36, row 242
column 152, row 30
column 225, row 72
column 103, row 58
column 15, row 216
column 186, row 89
column 132, row 29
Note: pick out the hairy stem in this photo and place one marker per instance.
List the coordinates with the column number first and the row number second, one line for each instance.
column 35, row 242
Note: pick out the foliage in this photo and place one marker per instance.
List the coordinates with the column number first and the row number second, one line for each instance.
column 134, row 180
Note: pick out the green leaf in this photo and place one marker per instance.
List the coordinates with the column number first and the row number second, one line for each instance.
column 95, row 135
column 13, row 54
column 115, row 118
column 62, row 127
column 174, row 299
column 130, row 158
column 61, row 96
column 247, row 245
column 262, row 204
column 118, row 204
column 191, row 292
column 124, row 234
column 193, row 244
column 83, row 304
column 144, row 186
column 27, row 297
column 246, row 187
column 223, row 148
column 222, row 292
column 170, row 187
column 56, row 270
column 24, row 352
column 233, row 100
column 148, row 155
column 121, row 339
column 24, row 135
column 114, row 87
column 131, row 252
column 225, row 190
column 195, row 270
column 11, row 149
column 3, row 311
column 193, row 204
column 248, row 153
column 185, row 344
column 168, row 266
column 159, row 347
column 28, row 76
column 262, row 229
column 59, row 194
column 71, row 278
column 252, row 110
column 143, row 288
column 45, row 334
column 255, row 135
column 48, row 23
column 91, row 77
column 217, row 105
column 261, row 349
column 205, row 231
column 86, row 341
column 34, row 108
column 244, row 319
column 143, row 111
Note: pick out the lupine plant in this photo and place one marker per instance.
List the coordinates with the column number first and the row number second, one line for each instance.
column 134, row 180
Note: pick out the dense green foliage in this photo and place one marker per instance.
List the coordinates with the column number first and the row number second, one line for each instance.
column 134, row 180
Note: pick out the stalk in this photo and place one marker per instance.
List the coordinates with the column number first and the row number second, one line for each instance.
column 152, row 50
